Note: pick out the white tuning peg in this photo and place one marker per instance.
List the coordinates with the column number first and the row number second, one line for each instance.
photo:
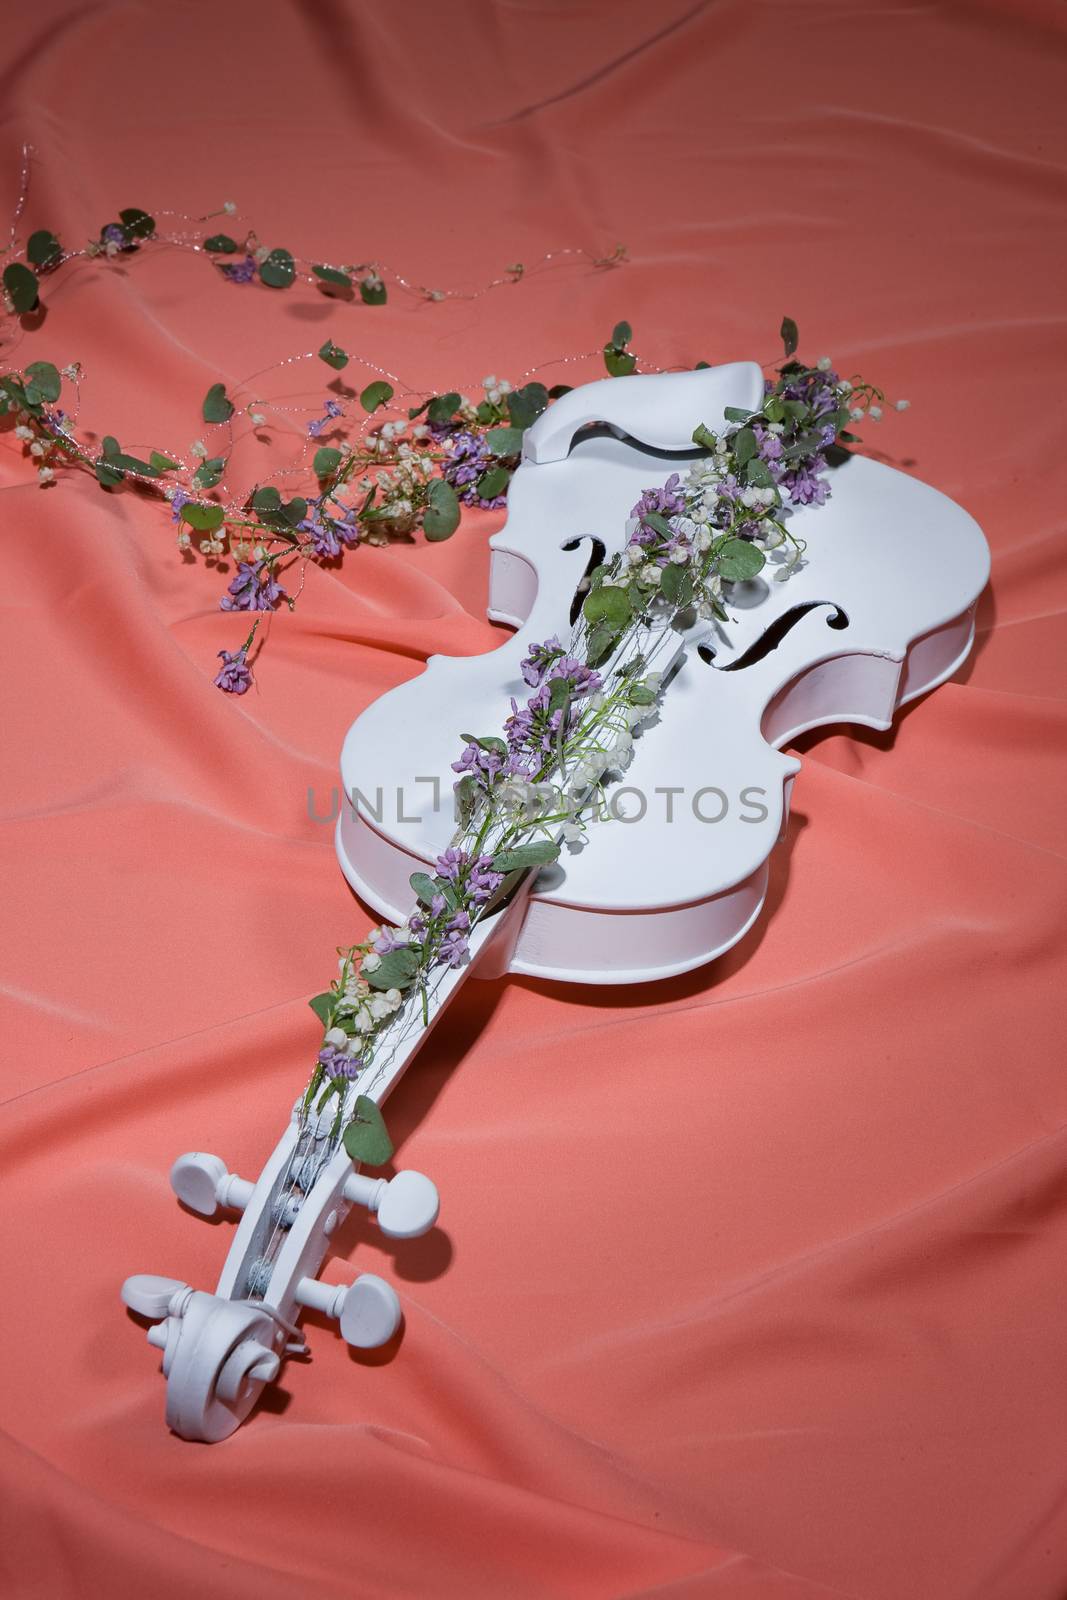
column 202, row 1183
column 151, row 1296
column 407, row 1206
column 368, row 1310
column 250, row 1362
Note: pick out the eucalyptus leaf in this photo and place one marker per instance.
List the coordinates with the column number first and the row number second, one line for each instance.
column 278, row 270
column 736, row 414
column 396, row 970
column 322, row 1005
column 21, row 285
column 790, row 336
column 333, row 276
column 493, row 483
column 376, row 394
column 641, row 696
column 217, row 406
column 703, row 436
column 658, row 523
column 44, row 382
column 441, row 517
column 620, row 363
column 442, row 408
column 676, row 585
column 372, row 294
column 326, row 462
column 366, row 1138
column 334, row 356
column 525, row 405
column 758, row 473
column 204, row 519
column 220, row 244
column 504, row 441
column 621, row 334
column 608, row 605
column 137, row 224
column 162, row 463
column 745, row 445
column 600, row 642
column 209, row 472
column 43, row 248
column 424, row 886
column 739, row 560
column 523, row 856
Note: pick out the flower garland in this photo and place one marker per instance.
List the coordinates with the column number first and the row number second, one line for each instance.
column 525, row 793
column 406, row 472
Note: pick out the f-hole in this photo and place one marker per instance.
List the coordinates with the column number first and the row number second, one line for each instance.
column 772, row 636
column 596, row 556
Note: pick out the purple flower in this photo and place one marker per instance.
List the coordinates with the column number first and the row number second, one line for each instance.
column 235, row 675
column 241, row 271
column 483, row 882
column 454, row 949
column 114, row 234
column 331, row 410
column 178, row 499
column 482, row 764
column 323, row 532
column 253, row 589
column 338, row 1063
column 805, row 487
column 668, row 500
column 469, row 458
column 386, row 940
column 450, row 864
column 538, row 660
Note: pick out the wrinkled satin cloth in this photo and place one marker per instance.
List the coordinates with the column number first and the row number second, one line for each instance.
column 747, row 1286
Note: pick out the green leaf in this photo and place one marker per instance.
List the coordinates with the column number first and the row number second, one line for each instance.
column 621, row 335
column 490, row 742
column 278, row 270
column 736, row 414
column 740, row 560
column 326, row 462
column 137, row 224
column 745, row 446
column 209, row 472
column 757, row 472
column 608, row 605
column 216, row 407
column 334, row 356
column 558, row 390
column 372, row 294
column 21, row 285
column 366, row 1138
column 790, row 336
column 106, row 476
column 600, row 643
column 620, row 363
column 424, row 886
column 441, row 517
column 676, row 585
column 295, row 511
column 526, row 855
column 162, row 463
column 466, row 799
column 204, row 519
column 376, row 394
column 658, row 523
column 267, row 500
column 493, row 482
column 43, row 248
column 504, row 441
column 322, row 1005
column 703, row 436
column 394, row 971
column 442, row 408
column 641, row 696
column 525, row 405
column 44, row 382
column 333, row 276
column 220, row 244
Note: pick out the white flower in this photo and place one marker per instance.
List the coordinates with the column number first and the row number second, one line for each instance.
column 845, row 386
column 680, row 555
column 702, row 540
column 649, row 575
column 750, row 496
column 37, row 448
column 73, row 372
column 198, row 448
column 229, row 207
column 394, row 998
column 573, row 833
column 902, row 405
column 653, row 680
column 371, row 961
column 777, row 428
column 184, row 541
column 262, row 253
column 45, row 475
column 378, row 1007
column 823, row 363
column 767, row 496
column 875, row 413
column 337, row 1037
column 634, row 554
column 22, row 432
column 856, row 414
column 596, row 700
column 258, row 419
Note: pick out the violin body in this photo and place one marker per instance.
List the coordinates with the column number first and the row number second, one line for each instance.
column 879, row 612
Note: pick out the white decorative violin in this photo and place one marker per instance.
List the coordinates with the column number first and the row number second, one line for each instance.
column 695, row 587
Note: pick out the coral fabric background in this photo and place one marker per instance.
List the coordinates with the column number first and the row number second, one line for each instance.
column 749, row 1286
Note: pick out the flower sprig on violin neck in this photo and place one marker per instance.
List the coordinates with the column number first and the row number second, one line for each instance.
column 535, row 788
